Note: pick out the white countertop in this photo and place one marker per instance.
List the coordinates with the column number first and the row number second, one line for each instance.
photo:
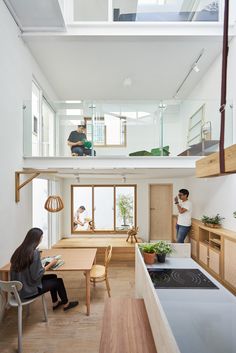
column 202, row 320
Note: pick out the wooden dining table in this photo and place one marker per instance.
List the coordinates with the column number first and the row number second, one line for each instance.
column 74, row 260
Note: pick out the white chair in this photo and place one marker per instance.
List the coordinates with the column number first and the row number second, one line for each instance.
column 12, row 288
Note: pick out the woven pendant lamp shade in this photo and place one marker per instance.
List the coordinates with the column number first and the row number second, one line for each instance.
column 54, row 204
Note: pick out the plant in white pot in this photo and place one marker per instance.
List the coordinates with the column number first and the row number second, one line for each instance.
column 162, row 248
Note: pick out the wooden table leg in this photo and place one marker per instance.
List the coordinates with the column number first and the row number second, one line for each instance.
column 88, row 291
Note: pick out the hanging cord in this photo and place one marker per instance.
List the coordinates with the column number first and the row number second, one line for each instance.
column 224, row 87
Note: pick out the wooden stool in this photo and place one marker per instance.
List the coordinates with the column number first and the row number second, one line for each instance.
column 132, row 234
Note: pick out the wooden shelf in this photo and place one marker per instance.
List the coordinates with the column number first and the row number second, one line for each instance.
column 210, row 166
column 217, row 241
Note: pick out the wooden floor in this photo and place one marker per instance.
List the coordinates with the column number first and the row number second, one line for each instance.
column 70, row 331
column 122, row 250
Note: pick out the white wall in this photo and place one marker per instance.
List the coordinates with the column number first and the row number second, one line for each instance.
column 208, row 92
column 16, row 69
column 142, row 199
column 214, row 195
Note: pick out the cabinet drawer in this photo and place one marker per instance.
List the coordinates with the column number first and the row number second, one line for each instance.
column 193, row 247
column 214, row 261
column 230, row 262
column 203, row 253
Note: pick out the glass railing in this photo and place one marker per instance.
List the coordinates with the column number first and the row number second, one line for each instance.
column 166, row 11
column 144, row 10
column 127, row 128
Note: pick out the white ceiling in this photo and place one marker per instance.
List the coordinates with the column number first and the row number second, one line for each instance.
column 95, row 67
column 128, row 173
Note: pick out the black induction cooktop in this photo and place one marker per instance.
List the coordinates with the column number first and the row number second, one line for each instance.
column 164, row 278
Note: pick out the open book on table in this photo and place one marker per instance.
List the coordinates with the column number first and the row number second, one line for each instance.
column 45, row 261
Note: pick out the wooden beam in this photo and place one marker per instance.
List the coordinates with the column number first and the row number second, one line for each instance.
column 210, row 166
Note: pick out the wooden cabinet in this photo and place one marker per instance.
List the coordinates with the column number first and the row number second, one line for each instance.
column 214, row 260
column 194, row 252
column 215, row 250
column 203, row 253
column 229, row 275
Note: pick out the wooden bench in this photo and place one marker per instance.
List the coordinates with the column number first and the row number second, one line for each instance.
column 126, row 327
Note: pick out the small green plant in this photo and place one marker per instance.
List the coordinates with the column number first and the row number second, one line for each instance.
column 212, row 220
column 125, row 208
column 234, row 214
column 163, row 248
column 148, row 247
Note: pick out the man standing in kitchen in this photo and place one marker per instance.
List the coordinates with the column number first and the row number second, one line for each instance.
column 184, row 215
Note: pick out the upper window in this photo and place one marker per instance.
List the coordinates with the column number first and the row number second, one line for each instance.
column 107, row 131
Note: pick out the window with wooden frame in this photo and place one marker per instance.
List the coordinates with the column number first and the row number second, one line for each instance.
column 107, row 131
column 103, row 208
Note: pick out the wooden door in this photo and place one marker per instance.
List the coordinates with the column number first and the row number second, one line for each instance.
column 161, row 203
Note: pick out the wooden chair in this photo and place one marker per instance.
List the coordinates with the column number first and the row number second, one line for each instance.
column 132, row 234
column 98, row 273
column 12, row 288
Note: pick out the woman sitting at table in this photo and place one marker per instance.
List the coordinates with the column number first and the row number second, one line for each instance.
column 27, row 268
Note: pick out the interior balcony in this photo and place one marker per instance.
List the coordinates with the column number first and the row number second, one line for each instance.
column 121, row 134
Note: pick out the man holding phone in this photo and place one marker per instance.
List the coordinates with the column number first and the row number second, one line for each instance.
column 185, row 215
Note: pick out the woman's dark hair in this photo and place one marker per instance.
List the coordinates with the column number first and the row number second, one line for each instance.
column 184, row 192
column 82, row 207
column 23, row 255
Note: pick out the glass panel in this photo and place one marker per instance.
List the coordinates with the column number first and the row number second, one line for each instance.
column 82, row 208
column 90, row 10
column 39, row 214
column 165, row 10
column 125, row 207
column 104, row 208
column 35, row 119
column 48, row 118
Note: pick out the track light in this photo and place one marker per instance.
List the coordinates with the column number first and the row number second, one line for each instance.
column 78, row 179
column 196, row 68
column 123, row 179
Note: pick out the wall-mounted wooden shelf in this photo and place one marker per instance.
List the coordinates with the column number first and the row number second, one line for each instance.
column 210, row 166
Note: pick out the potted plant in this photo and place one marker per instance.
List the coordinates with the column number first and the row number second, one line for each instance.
column 149, row 252
column 162, row 248
column 125, row 208
column 234, row 214
column 213, row 222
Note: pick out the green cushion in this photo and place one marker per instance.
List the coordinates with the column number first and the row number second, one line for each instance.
column 157, row 151
column 140, row 153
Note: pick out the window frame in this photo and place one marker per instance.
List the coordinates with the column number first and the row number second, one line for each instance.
column 93, row 186
column 124, row 144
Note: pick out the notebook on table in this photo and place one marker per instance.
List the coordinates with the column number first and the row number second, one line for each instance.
column 46, row 260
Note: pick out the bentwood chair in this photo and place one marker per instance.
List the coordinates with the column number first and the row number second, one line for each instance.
column 12, row 288
column 99, row 273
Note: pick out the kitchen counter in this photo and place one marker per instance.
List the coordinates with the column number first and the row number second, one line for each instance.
column 201, row 320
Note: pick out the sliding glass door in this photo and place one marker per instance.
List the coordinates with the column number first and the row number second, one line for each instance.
column 103, row 208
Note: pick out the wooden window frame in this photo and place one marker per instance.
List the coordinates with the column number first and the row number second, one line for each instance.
column 124, row 144
column 93, row 186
